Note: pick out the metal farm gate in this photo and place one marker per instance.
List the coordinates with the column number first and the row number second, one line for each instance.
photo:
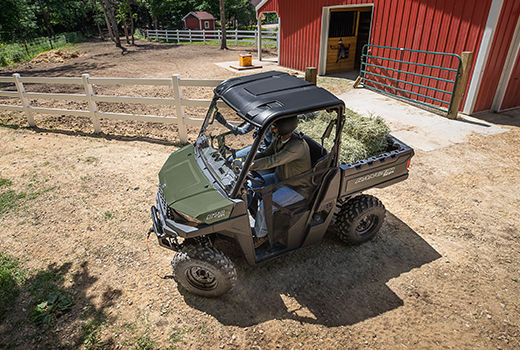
column 426, row 78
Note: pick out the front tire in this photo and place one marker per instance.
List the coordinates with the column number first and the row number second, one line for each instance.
column 203, row 270
column 359, row 219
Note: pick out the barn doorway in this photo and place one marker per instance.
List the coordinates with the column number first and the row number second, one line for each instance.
column 345, row 29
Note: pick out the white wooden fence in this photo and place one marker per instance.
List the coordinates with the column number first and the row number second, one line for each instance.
column 175, row 83
column 248, row 37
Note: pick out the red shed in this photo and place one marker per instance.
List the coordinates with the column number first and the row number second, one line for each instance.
column 199, row 20
column 311, row 30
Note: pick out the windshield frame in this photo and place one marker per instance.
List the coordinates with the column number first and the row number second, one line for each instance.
column 230, row 191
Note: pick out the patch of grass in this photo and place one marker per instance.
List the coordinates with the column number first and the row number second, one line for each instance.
column 10, row 277
column 14, row 53
column 108, row 215
column 9, row 200
column 178, row 334
column 5, row 182
column 92, row 340
column 49, row 300
column 144, row 342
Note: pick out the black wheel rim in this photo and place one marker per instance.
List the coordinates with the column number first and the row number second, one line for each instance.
column 201, row 278
column 367, row 224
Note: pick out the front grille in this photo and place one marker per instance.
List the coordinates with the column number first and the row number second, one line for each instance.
column 161, row 201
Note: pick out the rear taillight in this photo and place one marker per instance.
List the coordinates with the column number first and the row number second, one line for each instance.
column 408, row 164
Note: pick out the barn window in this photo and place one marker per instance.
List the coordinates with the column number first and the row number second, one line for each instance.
column 342, row 24
column 206, row 24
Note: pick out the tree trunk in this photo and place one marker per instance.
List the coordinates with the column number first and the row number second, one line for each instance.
column 50, row 33
column 100, row 32
column 110, row 33
column 223, row 43
column 132, row 28
column 112, row 24
column 125, row 27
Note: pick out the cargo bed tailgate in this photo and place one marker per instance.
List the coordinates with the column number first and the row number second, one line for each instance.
column 379, row 171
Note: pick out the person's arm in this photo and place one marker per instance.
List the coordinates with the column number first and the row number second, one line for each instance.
column 267, row 152
column 289, row 153
column 244, row 129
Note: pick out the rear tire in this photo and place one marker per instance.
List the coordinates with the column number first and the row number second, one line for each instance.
column 359, row 219
column 203, row 270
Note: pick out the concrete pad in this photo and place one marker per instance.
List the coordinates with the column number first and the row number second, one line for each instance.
column 262, row 66
column 416, row 127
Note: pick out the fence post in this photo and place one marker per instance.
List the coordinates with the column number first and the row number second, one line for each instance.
column 166, row 35
column 204, row 36
column 179, row 108
column 25, row 101
column 462, row 80
column 218, row 35
column 236, row 36
column 190, row 35
column 91, row 103
column 311, row 74
column 177, row 32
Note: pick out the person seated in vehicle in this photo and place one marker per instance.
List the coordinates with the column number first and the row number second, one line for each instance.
column 243, row 129
column 289, row 155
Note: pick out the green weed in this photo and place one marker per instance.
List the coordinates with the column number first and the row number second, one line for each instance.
column 50, row 301
column 10, row 277
column 108, row 215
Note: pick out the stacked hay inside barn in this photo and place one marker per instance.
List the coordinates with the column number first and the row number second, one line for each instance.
column 362, row 137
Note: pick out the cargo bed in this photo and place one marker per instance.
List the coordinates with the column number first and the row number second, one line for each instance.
column 378, row 171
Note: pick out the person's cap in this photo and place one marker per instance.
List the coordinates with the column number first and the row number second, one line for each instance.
column 287, row 125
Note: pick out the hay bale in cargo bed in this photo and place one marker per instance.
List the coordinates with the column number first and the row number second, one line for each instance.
column 362, row 137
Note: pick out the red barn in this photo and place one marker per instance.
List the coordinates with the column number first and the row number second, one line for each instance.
column 311, row 30
column 199, row 20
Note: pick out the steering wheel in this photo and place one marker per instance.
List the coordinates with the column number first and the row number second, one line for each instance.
column 255, row 177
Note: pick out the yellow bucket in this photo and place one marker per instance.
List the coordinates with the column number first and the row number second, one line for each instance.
column 245, row 60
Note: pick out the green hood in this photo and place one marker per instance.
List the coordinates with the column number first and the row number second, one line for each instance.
column 187, row 190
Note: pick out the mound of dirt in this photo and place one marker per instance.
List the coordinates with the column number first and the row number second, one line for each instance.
column 55, row 56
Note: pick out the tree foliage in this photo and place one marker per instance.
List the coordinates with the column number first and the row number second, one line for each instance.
column 25, row 19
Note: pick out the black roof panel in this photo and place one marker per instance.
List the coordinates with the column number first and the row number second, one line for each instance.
column 261, row 98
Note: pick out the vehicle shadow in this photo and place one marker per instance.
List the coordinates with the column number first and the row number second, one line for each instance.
column 56, row 308
column 329, row 284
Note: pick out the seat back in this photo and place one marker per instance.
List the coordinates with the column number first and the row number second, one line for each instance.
column 317, row 152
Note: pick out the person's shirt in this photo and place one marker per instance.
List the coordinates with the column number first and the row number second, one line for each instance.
column 289, row 158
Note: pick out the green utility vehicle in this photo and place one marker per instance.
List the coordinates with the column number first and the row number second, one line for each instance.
column 204, row 192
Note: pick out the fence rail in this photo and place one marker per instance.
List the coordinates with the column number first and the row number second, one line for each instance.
column 249, row 37
column 177, row 101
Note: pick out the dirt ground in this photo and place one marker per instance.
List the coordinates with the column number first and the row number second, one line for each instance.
column 443, row 273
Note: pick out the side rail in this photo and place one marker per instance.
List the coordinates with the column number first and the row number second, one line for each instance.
column 175, row 83
column 426, row 78
column 212, row 37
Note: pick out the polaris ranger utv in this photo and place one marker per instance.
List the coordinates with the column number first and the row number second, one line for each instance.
column 203, row 192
